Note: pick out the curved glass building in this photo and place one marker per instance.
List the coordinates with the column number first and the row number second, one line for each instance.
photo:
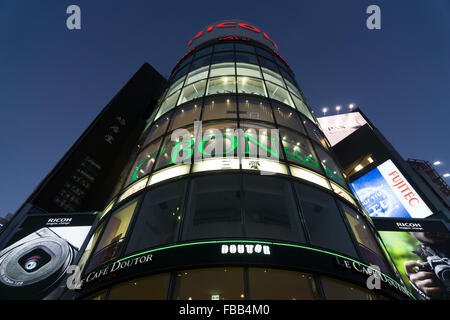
column 233, row 192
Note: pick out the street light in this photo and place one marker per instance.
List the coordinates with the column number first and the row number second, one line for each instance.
column 324, row 110
column 338, row 108
column 351, row 106
column 436, row 163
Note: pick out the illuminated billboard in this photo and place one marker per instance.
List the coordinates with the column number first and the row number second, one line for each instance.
column 384, row 192
column 339, row 126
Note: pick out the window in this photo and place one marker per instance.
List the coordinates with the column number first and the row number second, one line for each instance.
column 144, row 162
column 245, row 69
column 90, row 245
column 168, row 104
column 149, row 288
column 287, row 117
column 280, row 94
column 176, row 151
column 181, row 72
column 246, row 57
column 226, row 46
column 111, row 240
column 157, row 129
column 210, row 284
column 218, row 140
column 204, row 51
column 315, row 133
column 323, row 220
column 339, row 290
column 214, row 209
column 268, row 64
column 175, row 86
column 251, row 86
column 222, row 69
column 274, row 77
column 219, row 108
column 159, row 217
column 299, row 150
column 293, row 88
column 302, row 107
column 244, row 47
column 331, row 169
column 225, row 84
column 368, row 245
column 270, row 210
column 198, row 74
column 264, row 53
column 223, row 57
column 255, row 108
column 261, row 140
column 281, row 285
column 186, row 115
column 200, row 62
column 192, row 91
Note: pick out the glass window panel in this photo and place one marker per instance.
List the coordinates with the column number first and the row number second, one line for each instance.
column 222, row 69
column 111, row 240
column 204, row 51
column 186, row 115
column 245, row 69
column 208, row 284
column 268, row 64
column 198, row 74
column 144, row 162
column 339, row 290
column 168, row 103
column 223, row 57
column 149, row 288
column 280, row 94
column 274, row 77
column 276, row 284
column 315, row 133
column 157, row 129
column 192, row 91
column 224, row 84
column 175, row 86
column 159, row 217
column 90, row 245
column 246, row 57
column 212, row 134
column 292, row 88
column 251, row 86
column 244, row 47
column 302, row 107
column 214, row 209
column 331, row 169
column 261, row 140
column 299, row 150
column 264, row 53
column 255, row 108
column 287, row 75
column 227, row 46
column 323, row 220
column 270, row 210
column 203, row 61
column 177, row 151
column 181, row 72
column 368, row 244
column 287, row 117
column 219, row 108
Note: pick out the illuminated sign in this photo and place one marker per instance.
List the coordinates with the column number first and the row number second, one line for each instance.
column 338, row 127
column 245, row 248
column 385, row 192
column 233, row 30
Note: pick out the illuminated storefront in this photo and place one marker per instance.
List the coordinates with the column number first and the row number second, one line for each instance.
column 234, row 192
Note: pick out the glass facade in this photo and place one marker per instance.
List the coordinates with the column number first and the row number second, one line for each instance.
column 233, row 152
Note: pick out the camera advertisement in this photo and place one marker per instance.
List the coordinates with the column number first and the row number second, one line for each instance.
column 420, row 250
column 40, row 253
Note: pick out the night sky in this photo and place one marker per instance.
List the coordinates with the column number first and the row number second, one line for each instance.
column 53, row 81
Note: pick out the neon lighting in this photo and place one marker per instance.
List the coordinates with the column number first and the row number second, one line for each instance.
column 282, row 244
column 210, row 28
column 267, row 37
column 226, row 25
column 201, row 146
column 198, row 35
column 249, row 27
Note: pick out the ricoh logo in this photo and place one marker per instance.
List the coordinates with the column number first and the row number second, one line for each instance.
column 53, row 221
column 245, row 248
column 408, row 225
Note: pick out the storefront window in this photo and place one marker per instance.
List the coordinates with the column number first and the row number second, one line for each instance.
column 281, row 285
column 186, row 115
column 287, row 117
column 192, row 91
column 339, row 290
column 214, row 209
column 144, row 162
column 255, row 108
column 222, row 69
column 270, row 210
column 298, row 150
column 159, row 217
column 219, row 108
column 224, row 84
column 111, row 241
column 323, row 220
column 149, row 288
column 210, row 284
column 245, row 69
column 280, row 94
column 251, row 86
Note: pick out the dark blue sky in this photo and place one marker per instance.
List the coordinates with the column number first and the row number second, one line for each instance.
column 53, row 82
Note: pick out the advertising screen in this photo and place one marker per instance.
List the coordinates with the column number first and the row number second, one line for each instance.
column 339, row 126
column 37, row 258
column 384, row 192
column 420, row 250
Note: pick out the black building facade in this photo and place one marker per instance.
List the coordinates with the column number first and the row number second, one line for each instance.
column 233, row 192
